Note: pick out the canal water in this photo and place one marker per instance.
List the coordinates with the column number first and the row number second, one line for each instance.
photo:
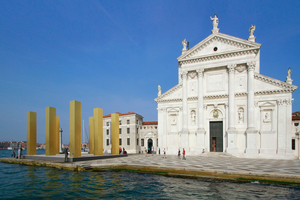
column 27, row 182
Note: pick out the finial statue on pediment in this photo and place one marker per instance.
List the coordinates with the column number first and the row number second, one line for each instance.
column 288, row 76
column 159, row 90
column 215, row 22
column 251, row 31
column 185, row 46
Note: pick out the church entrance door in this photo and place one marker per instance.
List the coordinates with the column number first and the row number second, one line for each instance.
column 216, row 136
column 150, row 144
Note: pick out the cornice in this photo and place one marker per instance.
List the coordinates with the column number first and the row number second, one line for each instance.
column 267, row 92
column 223, row 55
column 287, row 87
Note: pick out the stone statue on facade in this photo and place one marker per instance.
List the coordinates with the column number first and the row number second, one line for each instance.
column 193, row 116
column 288, row 76
column 185, row 45
column 251, row 31
column 215, row 22
column 159, row 90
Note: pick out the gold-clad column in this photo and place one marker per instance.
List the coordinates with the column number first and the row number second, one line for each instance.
column 98, row 123
column 31, row 133
column 50, row 131
column 75, row 128
column 115, row 134
column 57, row 136
column 91, row 135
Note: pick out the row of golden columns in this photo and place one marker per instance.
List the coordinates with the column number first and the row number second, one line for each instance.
column 52, row 132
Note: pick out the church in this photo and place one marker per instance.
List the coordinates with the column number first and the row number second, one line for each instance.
column 223, row 104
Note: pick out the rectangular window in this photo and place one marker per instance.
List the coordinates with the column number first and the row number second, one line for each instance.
column 120, row 141
column 107, row 132
column 128, row 121
column 107, row 142
column 128, row 130
column 128, row 141
column 142, row 142
column 107, row 123
column 120, row 122
column 137, row 142
column 293, row 144
column 155, row 127
column 137, row 121
column 120, row 131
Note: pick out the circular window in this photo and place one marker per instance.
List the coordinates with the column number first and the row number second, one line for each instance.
column 216, row 49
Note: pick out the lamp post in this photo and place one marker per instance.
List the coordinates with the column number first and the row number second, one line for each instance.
column 60, row 146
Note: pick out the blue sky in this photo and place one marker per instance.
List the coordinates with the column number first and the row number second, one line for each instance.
column 113, row 54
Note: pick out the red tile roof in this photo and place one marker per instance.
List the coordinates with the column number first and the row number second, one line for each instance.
column 150, row 123
column 296, row 115
column 120, row 114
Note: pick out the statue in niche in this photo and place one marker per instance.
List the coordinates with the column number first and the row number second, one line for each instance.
column 193, row 117
column 267, row 118
column 241, row 115
column 215, row 22
column 251, row 30
column 173, row 120
column 159, row 90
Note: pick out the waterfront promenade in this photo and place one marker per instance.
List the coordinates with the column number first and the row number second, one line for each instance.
column 211, row 165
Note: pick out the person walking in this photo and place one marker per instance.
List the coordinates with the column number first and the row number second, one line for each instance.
column 179, row 153
column 145, row 152
column 66, row 154
column 164, row 153
column 13, row 153
column 183, row 154
column 152, row 149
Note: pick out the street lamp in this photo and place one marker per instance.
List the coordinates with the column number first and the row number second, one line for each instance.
column 60, row 148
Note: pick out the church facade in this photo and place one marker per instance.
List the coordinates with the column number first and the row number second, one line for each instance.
column 223, row 104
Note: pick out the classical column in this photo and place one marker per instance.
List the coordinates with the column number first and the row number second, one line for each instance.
column 200, row 143
column 231, row 132
column 50, row 131
column 31, row 133
column 281, row 121
column 165, row 131
column 115, row 134
column 289, row 125
column 251, row 132
column 75, row 129
column 184, row 140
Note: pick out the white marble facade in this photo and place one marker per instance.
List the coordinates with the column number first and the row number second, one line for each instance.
column 222, row 102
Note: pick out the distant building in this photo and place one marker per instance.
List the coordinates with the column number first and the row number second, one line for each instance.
column 129, row 125
column 148, row 136
column 296, row 134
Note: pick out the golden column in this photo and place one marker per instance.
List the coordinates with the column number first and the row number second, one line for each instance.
column 57, row 135
column 50, row 131
column 98, row 124
column 115, row 134
column 91, row 135
column 31, row 133
column 75, row 128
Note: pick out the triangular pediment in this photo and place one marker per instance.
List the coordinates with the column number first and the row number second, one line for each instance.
column 267, row 85
column 218, row 44
column 174, row 94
